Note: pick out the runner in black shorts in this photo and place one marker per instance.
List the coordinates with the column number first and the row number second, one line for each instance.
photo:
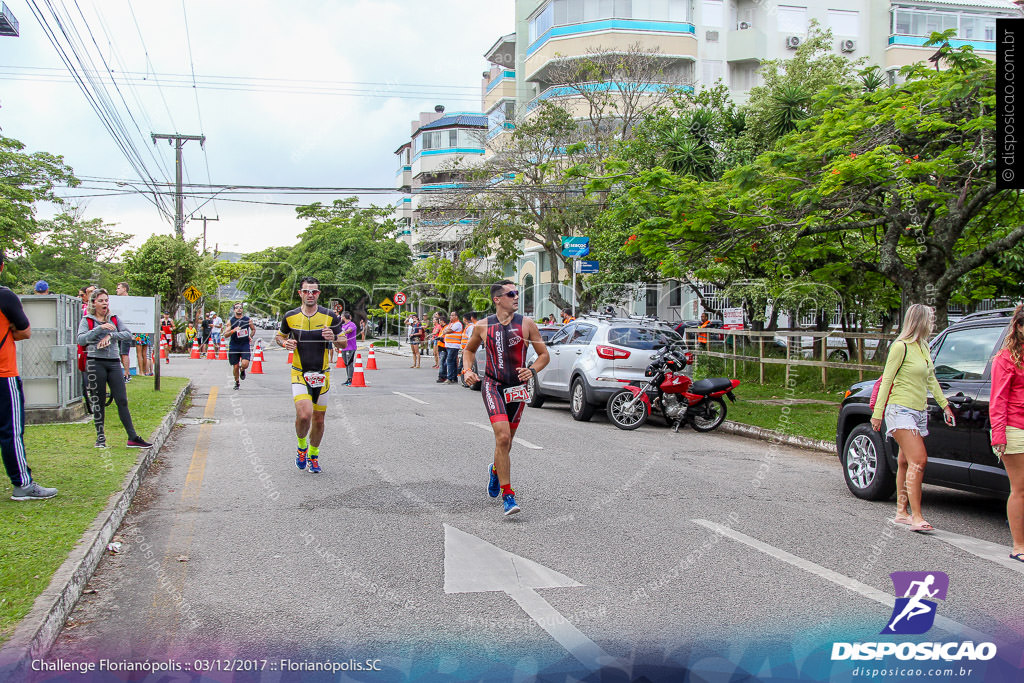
column 240, row 331
column 503, row 387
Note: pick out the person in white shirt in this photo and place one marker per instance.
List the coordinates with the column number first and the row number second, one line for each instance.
column 218, row 324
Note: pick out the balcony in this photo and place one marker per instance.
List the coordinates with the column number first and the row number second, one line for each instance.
column 903, row 50
column 502, row 87
column 747, row 45
column 579, row 107
column 672, row 40
column 403, row 177
column 8, row 24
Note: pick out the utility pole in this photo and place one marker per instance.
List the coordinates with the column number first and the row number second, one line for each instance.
column 204, row 219
column 179, row 201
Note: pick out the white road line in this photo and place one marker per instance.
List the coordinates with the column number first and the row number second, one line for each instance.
column 411, row 398
column 521, row 442
column 851, row 584
column 986, row 550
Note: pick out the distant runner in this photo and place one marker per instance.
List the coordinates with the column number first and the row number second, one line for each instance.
column 309, row 331
column 240, row 331
column 505, row 336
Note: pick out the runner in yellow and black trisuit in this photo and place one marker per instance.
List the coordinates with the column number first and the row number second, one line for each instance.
column 309, row 331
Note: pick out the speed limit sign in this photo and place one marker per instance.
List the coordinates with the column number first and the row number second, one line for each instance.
column 399, row 298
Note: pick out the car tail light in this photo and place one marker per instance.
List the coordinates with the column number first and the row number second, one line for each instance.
column 612, row 353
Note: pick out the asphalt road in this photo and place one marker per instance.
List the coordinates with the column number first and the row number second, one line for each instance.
column 231, row 552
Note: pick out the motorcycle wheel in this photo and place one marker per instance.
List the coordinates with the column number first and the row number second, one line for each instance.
column 711, row 416
column 621, row 414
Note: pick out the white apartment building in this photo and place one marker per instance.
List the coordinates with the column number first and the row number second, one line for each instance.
column 699, row 43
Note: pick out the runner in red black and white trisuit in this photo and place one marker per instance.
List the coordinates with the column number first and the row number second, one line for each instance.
column 503, row 387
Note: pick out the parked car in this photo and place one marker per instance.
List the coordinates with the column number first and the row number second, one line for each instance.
column 590, row 356
column 688, row 326
column 959, row 457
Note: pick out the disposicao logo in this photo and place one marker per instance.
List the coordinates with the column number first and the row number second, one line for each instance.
column 914, row 614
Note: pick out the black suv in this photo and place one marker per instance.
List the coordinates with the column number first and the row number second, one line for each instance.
column 959, row 457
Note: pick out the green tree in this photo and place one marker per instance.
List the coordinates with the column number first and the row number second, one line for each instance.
column 71, row 252
column 440, row 283
column 352, row 251
column 166, row 266
column 262, row 274
column 26, row 179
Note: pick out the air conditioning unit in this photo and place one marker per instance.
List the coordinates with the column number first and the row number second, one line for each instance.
column 848, row 45
column 711, row 36
column 744, row 25
column 793, row 42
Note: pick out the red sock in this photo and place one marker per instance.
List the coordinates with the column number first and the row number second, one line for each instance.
column 506, row 490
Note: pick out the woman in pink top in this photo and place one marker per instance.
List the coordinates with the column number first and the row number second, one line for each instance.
column 1006, row 412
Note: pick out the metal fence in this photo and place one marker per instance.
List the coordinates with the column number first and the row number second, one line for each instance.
column 47, row 361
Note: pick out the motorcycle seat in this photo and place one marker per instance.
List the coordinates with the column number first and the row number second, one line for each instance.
column 710, row 386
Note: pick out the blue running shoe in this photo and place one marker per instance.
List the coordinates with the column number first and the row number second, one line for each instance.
column 510, row 504
column 300, row 457
column 314, row 465
column 493, row 487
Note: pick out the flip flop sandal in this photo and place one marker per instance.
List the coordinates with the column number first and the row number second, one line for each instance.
column 1017, row 556
column 923, row 527
column 902, row 520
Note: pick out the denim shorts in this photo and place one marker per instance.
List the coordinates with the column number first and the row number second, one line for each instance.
column 901, row 417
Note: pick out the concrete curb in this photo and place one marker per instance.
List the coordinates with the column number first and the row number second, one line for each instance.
column 36, row 633
column 773, row 436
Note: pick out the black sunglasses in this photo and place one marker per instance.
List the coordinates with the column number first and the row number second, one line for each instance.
column 511, row 294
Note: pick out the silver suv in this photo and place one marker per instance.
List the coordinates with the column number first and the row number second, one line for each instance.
column 591, row 356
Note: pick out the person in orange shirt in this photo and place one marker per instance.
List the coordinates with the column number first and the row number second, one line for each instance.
column 14, row 327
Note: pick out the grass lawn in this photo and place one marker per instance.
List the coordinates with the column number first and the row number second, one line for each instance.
column 36, row 536
column 817, row 421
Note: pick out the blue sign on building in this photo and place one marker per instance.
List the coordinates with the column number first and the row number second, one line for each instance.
column 575, row 247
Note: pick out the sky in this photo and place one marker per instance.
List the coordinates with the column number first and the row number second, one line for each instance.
column 311, row 94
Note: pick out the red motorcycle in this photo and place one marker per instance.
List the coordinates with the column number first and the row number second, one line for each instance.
column 677, row 397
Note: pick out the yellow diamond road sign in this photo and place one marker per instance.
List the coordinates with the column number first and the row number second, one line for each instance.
column 192, row 294
column 387, row 305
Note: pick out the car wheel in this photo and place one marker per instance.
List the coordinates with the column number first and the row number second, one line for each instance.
column 536, row 399
column 865, row 467
column 581, row 410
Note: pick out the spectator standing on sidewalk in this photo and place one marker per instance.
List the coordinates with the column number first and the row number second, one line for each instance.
column 452, row 334
column 348, row 354
column 467, row 331
column 416, row 336
column 216, row 325
column 903, row 402
column 205, row 327
column 436, row 340
column 125, row 346
column 41, row 288
column 1006, row 412
column 14, row 327
column 99, row 332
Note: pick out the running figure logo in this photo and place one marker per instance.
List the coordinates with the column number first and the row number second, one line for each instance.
column 913, row 613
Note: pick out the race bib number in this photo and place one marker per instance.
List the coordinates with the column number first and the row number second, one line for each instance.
column 517, row 394
column 242, row 332
column 315, row 380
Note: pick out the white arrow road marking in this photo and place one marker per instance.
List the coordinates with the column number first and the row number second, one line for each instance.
column 411, row 398
column 986, row 550
column 851, row 584
column 521, row 442
column 472, row 565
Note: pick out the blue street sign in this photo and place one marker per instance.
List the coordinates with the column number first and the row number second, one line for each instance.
column 576, row 252
column 575, row 242
column 587, row 266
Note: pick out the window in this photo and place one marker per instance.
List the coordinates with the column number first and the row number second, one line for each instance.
column 922, row 23
column 675, row 296
column 711, row 71
column 563, row 12
column 713, row 14
column 541, row 22
column 583, row 334
column 453, row 138
column 844, row 23
column 744, row 76
column 562, row 335
column 527, row 297
column 651, row 303
column 963, row 354
column 643, row 338
column 792, row 19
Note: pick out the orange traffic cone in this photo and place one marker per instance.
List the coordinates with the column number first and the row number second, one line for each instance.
column 211, row 351
column 195, row 349
column 256, row 367
column 341, row 360
column 357, row 376
column 371, row 362
column 223, row 355
column 163, row 350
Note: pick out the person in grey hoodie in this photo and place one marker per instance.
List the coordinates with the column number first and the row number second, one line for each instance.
column 103, row 367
